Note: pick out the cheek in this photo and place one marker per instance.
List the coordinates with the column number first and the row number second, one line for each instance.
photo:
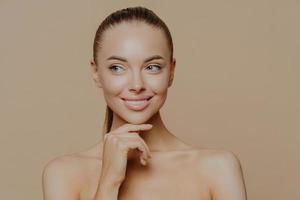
column 158, row 84
column 113, row 85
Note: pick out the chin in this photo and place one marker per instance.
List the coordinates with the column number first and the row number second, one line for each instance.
column 133, row 117
column 139, row 118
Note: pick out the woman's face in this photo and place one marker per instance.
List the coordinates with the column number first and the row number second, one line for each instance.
column 134, row 70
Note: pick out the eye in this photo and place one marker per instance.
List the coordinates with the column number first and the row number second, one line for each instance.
column 116, row 68
column 154, row 68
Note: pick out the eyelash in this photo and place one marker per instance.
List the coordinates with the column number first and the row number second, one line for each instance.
column 159, row 67
column 113, row 66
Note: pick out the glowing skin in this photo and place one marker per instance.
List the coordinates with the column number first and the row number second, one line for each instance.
column 176, row 170
column 133, row 75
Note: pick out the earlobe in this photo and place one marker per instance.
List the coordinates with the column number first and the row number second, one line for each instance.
column 95, row 75
column 170, row 81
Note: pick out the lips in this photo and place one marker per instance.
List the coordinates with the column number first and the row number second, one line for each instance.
column 137, row 103
column 137, row 98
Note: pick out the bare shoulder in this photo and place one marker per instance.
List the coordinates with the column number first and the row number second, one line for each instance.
column 224, row 172
column 218, row 161
column 65, row 176
column 58, row 173
column 218, row 156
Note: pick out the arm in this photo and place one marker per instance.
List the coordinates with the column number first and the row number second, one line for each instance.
column 227, row 177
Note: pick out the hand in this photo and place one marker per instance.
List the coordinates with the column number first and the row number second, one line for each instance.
column 116, row 146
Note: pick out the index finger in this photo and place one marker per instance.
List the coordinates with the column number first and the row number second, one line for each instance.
column 134, row 127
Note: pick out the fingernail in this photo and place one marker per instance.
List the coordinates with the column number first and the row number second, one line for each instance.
column 143, row 162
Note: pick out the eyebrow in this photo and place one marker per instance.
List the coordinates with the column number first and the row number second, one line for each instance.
column 155, row 57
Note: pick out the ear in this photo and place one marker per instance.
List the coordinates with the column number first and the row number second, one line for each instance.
column 95, row 75
column 172, row 71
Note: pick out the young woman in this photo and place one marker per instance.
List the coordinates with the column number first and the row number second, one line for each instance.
column 139, row 158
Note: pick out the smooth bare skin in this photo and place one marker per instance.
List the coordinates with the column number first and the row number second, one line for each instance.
column 114, row 168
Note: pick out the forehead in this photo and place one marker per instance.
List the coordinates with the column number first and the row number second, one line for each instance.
column 133, row 40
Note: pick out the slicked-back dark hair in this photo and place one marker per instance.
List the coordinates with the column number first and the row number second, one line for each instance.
column 139, row 14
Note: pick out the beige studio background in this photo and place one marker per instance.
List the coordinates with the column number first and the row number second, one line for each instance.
column 236, row 86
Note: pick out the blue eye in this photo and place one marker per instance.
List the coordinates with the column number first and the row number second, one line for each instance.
column 114, row 68
column 155, row 66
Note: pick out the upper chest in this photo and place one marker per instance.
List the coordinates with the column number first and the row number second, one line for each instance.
column 167, row 176
column 174, row 177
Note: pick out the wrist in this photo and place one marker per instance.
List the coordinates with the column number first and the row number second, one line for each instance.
column 110, row 181
column 107, row 190
column 109, row 185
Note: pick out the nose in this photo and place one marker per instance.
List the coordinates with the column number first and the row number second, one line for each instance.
column 136, row 82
